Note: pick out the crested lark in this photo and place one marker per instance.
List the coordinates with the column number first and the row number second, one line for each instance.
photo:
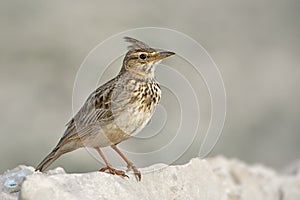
column 116, row 110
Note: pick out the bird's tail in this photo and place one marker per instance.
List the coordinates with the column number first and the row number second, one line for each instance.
column 50, row 158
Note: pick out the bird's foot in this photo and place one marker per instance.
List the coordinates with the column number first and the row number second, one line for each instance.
column 137, row 173
column 114, row 171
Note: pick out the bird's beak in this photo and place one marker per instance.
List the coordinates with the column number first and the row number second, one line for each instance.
column 164, row 54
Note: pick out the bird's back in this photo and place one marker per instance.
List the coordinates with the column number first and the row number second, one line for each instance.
column 114, row 111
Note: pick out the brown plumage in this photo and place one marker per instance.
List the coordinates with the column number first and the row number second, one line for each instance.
column 117, row 109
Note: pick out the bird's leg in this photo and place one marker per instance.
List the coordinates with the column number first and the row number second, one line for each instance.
column 109, row 166
column 130, row 165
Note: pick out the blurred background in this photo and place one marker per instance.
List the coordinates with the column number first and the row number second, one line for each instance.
column 255, row 44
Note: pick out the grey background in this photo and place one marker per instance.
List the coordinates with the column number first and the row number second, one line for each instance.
column 254, row 43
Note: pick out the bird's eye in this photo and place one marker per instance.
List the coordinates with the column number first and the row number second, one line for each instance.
column 143, row 56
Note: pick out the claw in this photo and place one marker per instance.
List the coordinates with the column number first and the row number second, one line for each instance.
column 114, row 171
column 103, row 169
column 137, row 173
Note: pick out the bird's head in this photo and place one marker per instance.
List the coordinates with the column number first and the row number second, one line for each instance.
column 142, row 59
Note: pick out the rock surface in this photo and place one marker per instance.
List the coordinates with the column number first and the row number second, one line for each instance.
column 213, row 179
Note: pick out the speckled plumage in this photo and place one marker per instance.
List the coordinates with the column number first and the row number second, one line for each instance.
column 116, row 110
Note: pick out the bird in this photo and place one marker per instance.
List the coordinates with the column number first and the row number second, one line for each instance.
column 116, row 110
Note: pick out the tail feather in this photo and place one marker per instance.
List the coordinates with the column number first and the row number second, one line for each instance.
column 64, row 145
column 50, row 158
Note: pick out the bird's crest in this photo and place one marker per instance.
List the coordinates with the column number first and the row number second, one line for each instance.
column 136, row 44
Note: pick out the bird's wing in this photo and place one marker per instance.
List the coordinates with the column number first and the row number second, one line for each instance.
column 95, row 112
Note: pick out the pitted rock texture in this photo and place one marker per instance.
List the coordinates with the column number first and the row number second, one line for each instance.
column 213, row 179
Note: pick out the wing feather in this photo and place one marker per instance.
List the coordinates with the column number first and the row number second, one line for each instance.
column 95, row 112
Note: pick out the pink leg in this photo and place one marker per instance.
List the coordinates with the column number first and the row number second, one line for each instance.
column 130, row 165
column 109, row 166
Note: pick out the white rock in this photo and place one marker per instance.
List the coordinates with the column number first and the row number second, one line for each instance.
column 215, row 178
column 192, row 181
column 10, row 181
